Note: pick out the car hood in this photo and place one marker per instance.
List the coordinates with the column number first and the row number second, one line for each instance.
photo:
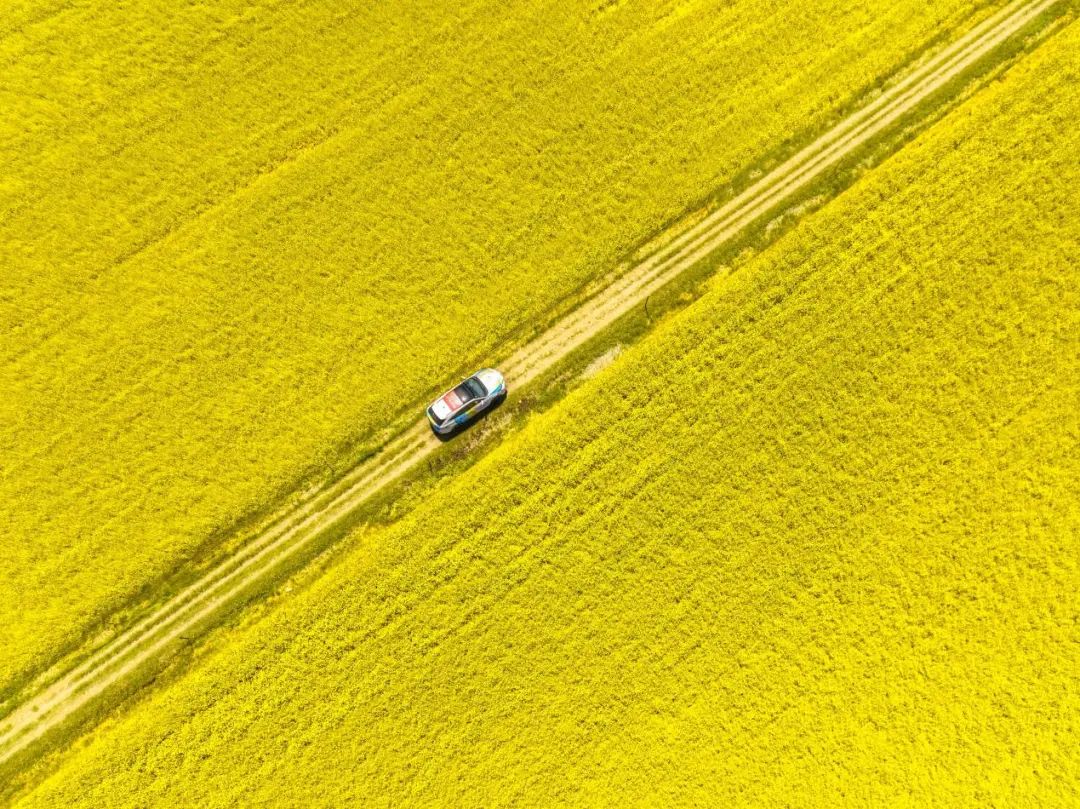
column 491, row 379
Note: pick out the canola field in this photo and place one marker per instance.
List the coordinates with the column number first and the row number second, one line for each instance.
column 812, row 542
column 239, row 239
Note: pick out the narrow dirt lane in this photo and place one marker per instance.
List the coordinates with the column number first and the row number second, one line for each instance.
column 140, row 643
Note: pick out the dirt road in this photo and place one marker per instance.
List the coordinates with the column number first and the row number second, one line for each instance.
column 68, row 692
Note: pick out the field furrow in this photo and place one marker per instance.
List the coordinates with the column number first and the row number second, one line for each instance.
column 810, row 542
column 243, row 242
column 219, row 587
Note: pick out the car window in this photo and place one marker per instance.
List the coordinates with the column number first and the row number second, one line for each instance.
column 471, row 389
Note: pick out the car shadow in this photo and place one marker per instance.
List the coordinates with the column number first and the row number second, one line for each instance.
column 464, row 428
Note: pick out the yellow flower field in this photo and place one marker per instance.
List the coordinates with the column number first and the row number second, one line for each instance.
column 237, row 239
column 812, row 542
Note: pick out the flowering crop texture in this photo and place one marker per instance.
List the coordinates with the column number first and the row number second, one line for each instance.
column 240, row 240
column 814, row 541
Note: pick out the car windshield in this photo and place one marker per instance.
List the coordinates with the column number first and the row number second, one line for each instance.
column 470, row 389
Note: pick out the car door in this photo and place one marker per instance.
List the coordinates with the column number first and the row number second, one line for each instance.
column 466, row 412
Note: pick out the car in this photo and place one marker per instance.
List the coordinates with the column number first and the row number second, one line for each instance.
column 464, row 402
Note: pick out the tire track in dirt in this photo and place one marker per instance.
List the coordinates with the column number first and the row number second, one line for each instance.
column 294, row 531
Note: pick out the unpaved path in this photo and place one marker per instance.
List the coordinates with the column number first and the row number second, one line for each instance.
column 183, row 613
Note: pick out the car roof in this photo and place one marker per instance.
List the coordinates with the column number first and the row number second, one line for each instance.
column 456, row 398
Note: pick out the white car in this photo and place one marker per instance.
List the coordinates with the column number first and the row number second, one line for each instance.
column 460, row 405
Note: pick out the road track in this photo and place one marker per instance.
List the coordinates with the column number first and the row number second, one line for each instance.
column 284, row 539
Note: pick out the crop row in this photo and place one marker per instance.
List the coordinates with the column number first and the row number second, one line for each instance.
column 238, row 238
column 811, row 542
